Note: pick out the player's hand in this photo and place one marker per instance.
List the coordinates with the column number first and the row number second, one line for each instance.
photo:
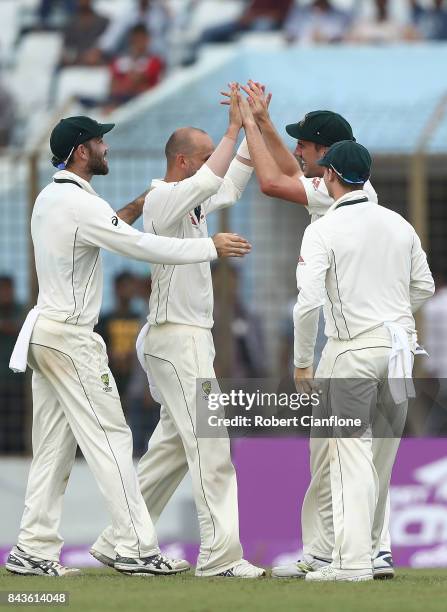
column 234, row 114
column 304, row 380
column 260, row 101
column 245, row 109
column 231, row 245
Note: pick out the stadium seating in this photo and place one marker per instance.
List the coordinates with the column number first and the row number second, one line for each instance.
column 35, row 63
column 83, row 82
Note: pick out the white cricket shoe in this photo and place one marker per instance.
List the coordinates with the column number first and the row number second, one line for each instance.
column 156, row 565
column 383, row 566
column 333, row 574
column 19, row 562
column 242, row 569
column 104, row 559
column 303, row 566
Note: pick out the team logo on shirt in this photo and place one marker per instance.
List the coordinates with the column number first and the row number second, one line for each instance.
column 206, row 388
column 301, row 261
column 316, row 183
column 106, row 382
column 193, row 220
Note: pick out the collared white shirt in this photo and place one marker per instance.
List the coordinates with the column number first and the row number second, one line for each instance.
column 69, row 225
column 364, row 263
column 184, row 294
column 318, row 199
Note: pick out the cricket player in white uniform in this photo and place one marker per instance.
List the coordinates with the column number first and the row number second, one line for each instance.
column 298, row 178
column 75, row 400
column 179, row 349
column 370, row 263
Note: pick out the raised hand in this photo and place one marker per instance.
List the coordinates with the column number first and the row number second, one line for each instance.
column 234, row 114
column 260, row 100
column 245, row 110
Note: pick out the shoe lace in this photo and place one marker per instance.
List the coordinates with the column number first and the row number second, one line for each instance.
column 46, row 565
column 160, row 560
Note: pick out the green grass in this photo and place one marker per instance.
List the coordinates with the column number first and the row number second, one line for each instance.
column 106, row 590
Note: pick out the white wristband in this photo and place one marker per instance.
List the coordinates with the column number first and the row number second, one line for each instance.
column 243, row 150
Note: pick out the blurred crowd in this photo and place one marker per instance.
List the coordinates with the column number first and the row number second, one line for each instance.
column 140, row 44
column 90, row 38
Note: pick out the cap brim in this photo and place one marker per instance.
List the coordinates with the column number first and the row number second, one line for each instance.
column 293, row 130
column 323, row 162
column 106, row 127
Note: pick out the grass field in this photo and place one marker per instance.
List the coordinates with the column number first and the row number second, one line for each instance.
column 103, row 589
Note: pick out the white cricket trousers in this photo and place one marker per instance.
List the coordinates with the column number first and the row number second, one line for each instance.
column 177, row 355
column 345, row 513
column 75, row 401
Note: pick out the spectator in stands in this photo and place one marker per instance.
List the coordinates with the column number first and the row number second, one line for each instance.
column 237, row 331
column 431, row 22
column 81, row 35
column 261, row 15
column 381, row 29
column 137, row 71
column 47, row 9
column 319, row 22
column 7, row 116
column 12, row 386
column 119, row 329
column 153, row 14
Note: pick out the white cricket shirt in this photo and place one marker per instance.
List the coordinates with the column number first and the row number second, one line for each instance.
column 364, row 263
column 318, row 199
column 69, row 225
column 184, row 294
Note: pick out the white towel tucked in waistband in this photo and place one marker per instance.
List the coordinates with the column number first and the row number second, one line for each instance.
column 19, row 355
column 140, row 354
column 400, row 364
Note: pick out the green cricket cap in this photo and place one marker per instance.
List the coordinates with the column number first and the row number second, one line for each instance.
column 322, row 127
column 350, row 160
column 73, row 131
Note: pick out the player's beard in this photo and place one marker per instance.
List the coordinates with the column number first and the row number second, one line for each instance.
column 97, row 164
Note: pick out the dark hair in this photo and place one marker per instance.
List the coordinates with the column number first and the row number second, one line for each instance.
column 140, row 28
column 58, row 162
column 123, row 277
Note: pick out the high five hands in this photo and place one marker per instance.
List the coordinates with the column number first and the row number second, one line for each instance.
column 255, row 106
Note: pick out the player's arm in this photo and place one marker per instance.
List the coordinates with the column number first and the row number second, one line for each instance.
column 132, row 211
column 272, row 180
column 311, row 281
column 422, row 285
column 259, row 102
column 99, row 226
column 235, row 181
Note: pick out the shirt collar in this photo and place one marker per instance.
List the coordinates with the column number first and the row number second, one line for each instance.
column 156, row 182
column 66, row 174
column 352, row 195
